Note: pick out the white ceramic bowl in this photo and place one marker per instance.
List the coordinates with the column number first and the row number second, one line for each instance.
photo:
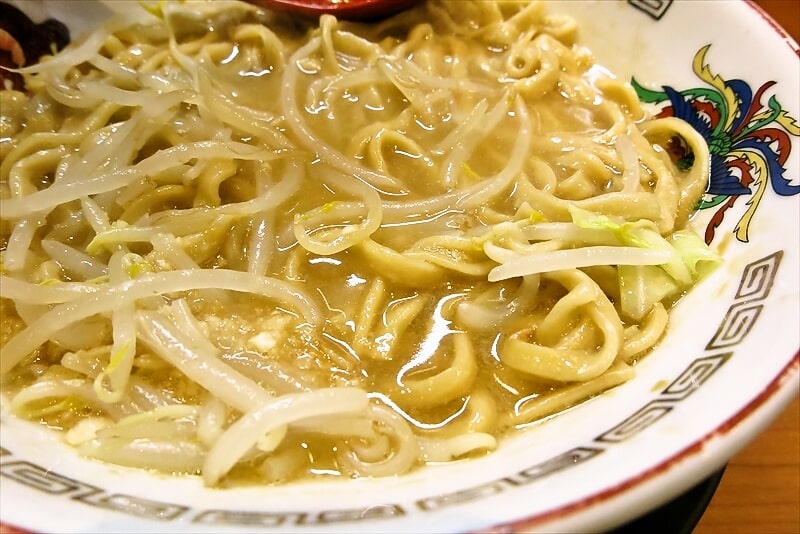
column 729, row 365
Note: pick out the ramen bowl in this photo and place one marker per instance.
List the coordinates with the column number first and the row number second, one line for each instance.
column 728, row 365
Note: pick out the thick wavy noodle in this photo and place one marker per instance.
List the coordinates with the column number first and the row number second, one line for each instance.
column 251, row 248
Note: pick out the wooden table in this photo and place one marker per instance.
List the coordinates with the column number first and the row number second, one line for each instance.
column 760, row 489
column 785, row 12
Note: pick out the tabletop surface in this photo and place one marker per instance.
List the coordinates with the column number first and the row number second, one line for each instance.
column 760, row 489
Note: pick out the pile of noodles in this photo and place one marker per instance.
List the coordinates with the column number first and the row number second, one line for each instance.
column 236, row 244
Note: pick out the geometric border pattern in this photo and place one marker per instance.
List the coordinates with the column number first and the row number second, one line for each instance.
column 564, row 460
column 39, row 478
column 754, row 286
column 735, row 326
column 758, row 277
column 756, row 282
column 694, row 376
column 654, row 8
column 638, row 421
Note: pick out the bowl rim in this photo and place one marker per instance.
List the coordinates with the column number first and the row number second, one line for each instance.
column 773, row 398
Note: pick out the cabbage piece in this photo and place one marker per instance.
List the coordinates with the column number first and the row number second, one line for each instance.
column 642, row 286
column 696, row 255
